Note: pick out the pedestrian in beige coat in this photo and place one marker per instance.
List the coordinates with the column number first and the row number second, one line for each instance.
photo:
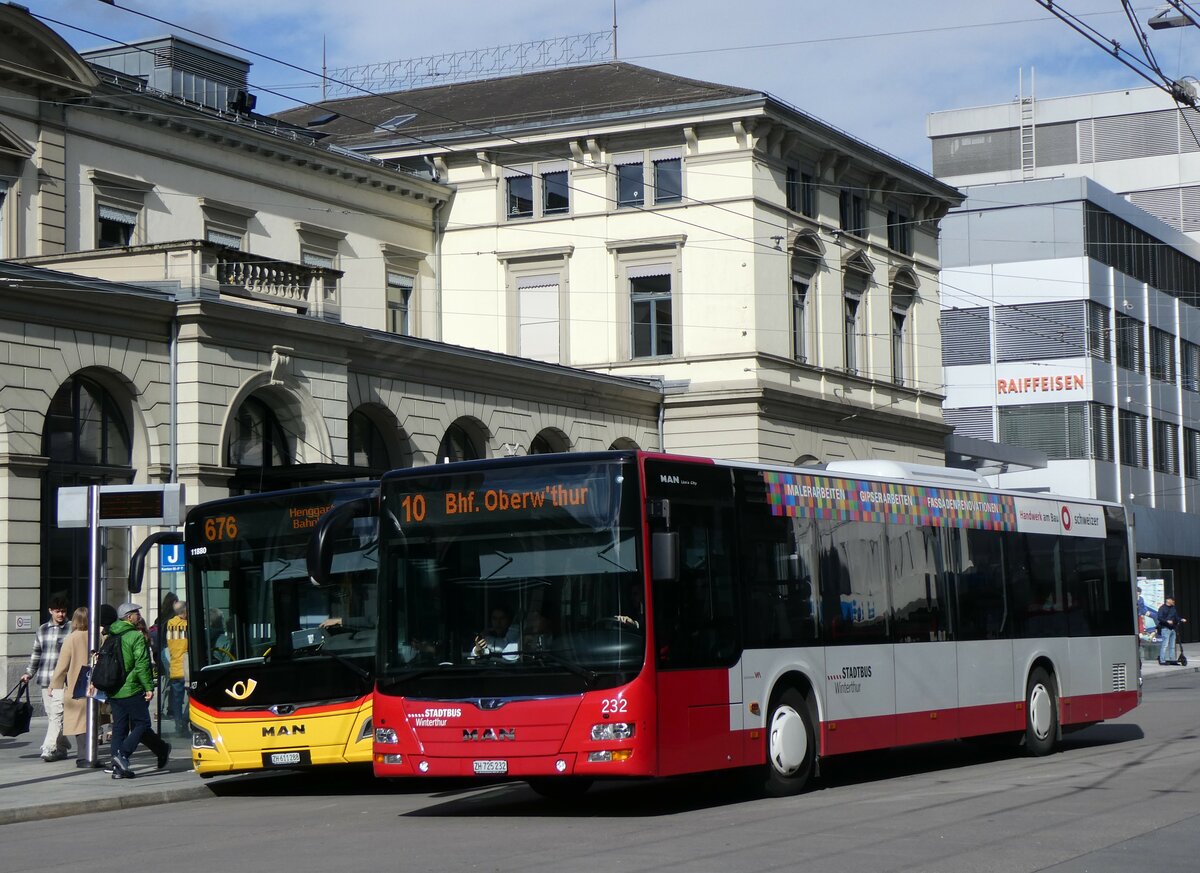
column 71, row 659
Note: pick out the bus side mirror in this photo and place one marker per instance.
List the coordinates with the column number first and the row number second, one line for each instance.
column 320, row 546
column 137, row 561
column 664, row 555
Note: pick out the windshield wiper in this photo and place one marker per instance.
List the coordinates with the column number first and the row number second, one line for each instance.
column 344, row 661
column 543, row 657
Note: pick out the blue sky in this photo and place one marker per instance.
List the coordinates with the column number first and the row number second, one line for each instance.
column 874, row 68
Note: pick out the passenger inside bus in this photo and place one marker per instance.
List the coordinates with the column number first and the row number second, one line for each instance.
column 220, row 647
column 538, row 634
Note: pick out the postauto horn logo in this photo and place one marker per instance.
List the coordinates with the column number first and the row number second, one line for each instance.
column 242, row 689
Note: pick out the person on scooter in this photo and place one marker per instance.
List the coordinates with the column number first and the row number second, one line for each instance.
column 1169, row 621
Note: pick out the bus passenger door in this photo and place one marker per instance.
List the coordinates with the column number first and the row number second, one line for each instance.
column 696, row 637
column 926, row 657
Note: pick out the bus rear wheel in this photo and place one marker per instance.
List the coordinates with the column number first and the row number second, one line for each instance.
column 560, row 787
column 1041, row 714
column 791, row 746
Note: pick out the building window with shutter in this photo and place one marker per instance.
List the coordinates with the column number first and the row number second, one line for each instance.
column 1131, row 431
column 1100, row 431
column 399, row 303
column 518, row 192
column 1189, row 358
column 668, row 175
column 1191, row 453
column 1162, row 356
column 538, row 323
column 326, row 261
column 1061, row 430
column 1130, row 344
column 650, row 314
column 1098, row 345
column 115, row 226
column 1166, row 447
column 631, row 182
column 966, row 336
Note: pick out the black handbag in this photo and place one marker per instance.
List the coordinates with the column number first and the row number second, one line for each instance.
column 15, row 713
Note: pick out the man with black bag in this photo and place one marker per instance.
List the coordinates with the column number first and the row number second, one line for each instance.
column 47, row 643
column 131, row 703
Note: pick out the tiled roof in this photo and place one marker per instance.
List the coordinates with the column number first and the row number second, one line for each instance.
column 529, row 99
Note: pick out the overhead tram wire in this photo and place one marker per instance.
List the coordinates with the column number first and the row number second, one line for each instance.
column 1143, row 68
column 724, row 234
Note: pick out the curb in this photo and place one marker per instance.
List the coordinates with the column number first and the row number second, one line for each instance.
column 104, row 804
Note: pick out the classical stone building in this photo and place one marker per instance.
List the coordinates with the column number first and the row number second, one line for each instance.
column 780, row 274
column 196, row 294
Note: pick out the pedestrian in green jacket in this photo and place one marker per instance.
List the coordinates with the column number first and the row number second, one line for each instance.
column 130, row 705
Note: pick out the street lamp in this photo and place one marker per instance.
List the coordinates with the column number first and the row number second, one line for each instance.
column 1168, row 17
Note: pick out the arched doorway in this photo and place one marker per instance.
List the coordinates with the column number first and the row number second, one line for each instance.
column 87, row 441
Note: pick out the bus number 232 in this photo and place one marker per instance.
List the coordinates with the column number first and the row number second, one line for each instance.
column 614, row 705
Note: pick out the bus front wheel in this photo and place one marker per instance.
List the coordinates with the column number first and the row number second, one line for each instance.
column 791, row 746
column 1041, row 713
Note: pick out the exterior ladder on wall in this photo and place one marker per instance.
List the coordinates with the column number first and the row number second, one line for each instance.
column 1028, row 126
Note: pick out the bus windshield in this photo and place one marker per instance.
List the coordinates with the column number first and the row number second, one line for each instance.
column 510, row 580
column 250, row 591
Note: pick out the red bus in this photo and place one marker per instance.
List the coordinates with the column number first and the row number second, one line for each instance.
column 566, row 618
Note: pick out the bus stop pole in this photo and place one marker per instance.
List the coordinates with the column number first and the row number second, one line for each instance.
column 92, row 756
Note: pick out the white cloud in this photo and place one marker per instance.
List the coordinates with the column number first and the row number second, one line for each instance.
column 874, row 68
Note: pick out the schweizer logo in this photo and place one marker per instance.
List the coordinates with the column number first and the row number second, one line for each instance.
column 1066, row 518
column 471, row 735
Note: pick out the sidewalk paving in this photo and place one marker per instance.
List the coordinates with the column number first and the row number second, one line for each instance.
column 31, row 789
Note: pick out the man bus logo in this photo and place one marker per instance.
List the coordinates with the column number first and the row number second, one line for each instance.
column 241, row 690
column 283, row 730
column 475, row 735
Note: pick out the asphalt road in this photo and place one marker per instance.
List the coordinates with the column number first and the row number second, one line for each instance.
column 1118, row 797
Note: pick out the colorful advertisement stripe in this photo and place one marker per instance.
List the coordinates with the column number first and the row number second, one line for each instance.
column 829, row 497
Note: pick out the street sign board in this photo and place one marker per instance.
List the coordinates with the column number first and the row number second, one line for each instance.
column 170, row 558
column 123, row 506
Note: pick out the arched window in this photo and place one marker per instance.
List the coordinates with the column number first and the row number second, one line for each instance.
column 623, row 444
column 458, row 445
column 258, row 438
column 548, row 441
column 856, row 276
column 368, row 448
column 805, row 261
column 87, row 441
column 904, row 294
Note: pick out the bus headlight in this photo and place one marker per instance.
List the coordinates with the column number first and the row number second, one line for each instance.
column 385, row 735
column 609, row 755
column 201, row 739
column 616, row 730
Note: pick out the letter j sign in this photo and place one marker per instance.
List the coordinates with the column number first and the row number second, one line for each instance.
column 170, row 559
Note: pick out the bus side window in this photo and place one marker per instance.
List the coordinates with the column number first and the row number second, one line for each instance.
column 982, row 607
column 918, row 584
